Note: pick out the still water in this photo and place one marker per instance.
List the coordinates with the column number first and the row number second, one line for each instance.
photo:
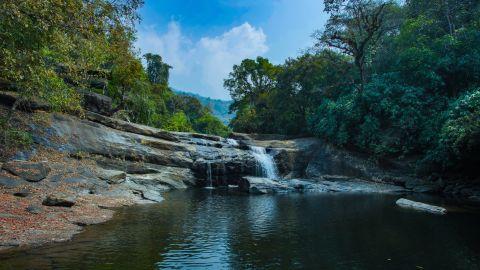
column 214, row 229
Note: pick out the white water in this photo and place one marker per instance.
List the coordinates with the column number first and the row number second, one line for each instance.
column 209, row 176
column 232, row 142
column 265, row 164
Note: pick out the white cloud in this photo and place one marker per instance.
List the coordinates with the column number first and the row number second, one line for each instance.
column 200, row 66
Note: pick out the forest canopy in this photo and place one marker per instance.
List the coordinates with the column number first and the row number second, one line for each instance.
column 394, row 80
column 55, row 49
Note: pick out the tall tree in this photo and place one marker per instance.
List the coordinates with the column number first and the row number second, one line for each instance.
column 353, row 28
column 249, row 80
column 158, row 72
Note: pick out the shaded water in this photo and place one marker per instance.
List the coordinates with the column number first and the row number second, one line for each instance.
column 213, row 229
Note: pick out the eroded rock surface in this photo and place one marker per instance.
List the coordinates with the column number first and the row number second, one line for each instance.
column 30, row 171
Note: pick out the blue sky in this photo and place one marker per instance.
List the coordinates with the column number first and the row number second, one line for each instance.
column 203, row 39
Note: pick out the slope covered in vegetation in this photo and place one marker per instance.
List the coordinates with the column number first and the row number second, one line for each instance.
column 56, row 50
column 220, row 108
column 388, row 79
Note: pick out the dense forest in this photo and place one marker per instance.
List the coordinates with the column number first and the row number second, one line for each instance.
column 394, row 80
column 391, row 79
column 53, row 50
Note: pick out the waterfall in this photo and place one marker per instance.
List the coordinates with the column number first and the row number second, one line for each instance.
column 209, row 175
column 232, row 142
column 265, row 164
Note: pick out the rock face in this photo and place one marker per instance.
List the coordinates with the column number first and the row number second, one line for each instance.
column 259, row 185
column 111, row 176
column 421, row 206
column 151, row 156
column 30, row 171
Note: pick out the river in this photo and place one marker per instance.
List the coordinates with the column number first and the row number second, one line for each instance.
column 216, row 229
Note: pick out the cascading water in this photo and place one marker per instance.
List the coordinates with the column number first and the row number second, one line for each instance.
column 265, row 164
column 232, row 142
column 209, row 176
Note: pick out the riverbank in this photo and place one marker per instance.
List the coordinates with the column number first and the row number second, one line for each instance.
column 81, row 167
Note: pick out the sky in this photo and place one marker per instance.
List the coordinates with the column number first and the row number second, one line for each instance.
column 203, row 39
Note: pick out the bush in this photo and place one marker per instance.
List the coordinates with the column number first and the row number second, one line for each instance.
column 178, row 122
column 13, row 138
column 209, row 124
column 459, row 140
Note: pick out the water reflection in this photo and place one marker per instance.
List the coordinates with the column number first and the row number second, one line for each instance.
column 218, row 230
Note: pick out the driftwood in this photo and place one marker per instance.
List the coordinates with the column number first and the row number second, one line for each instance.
column 421, row 206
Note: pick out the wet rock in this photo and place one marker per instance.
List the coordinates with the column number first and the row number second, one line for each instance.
column 111, row 176
column 30, row 171
column 152, row 196
column 421, row 206
column 167, row 178
column 259, row 185
column 423, row 186
column 34, row 209
column 60, row 199
column 475, row 199
column 206, row 137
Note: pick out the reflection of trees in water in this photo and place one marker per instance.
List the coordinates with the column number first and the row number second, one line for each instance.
column 281, row 231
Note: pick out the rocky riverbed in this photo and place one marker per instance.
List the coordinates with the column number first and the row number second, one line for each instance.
column 79, row 168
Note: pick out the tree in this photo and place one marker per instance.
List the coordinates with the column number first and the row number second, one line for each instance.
column 354, row 27
column 158, row 72
column 249, row 80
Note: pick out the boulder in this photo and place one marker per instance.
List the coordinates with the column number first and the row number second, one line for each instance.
column 8, row 98
column 96, row 103
column 421, row 206
column 260, row 185
column 152, row 196
column 111, row 176
column 22, row 193
column 169, row 178
column 8, row 181
column 59, row 199
column 30, row 171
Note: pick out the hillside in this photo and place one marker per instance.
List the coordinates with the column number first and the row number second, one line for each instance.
column 219, row 107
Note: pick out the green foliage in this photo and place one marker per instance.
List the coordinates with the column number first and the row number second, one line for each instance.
column 13, row 138
column 178, row 122
column 60, row 96
column 158, row 72
column 209, row 124
column 401, row 82
column 50, row 49
column 459, row 139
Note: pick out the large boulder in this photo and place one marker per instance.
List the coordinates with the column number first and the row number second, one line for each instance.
column 260, row 185
column 96, row 103
column 59, row 199
column 30, row 171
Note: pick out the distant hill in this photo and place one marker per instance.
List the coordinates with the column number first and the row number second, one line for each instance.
column 219, row 107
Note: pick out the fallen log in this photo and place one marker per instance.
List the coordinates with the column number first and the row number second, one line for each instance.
column 421, row 206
